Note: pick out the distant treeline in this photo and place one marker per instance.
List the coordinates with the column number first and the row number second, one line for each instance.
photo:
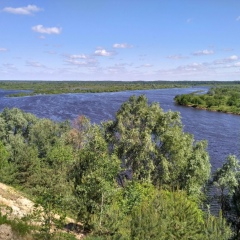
column 222, row 99
column 58, row 87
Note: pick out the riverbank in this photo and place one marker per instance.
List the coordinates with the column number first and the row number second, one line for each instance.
column 209, row 109
column 31, row 88
column 224, row 99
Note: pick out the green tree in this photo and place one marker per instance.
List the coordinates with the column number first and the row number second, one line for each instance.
column 154, row 147
column 44, row 134
column 3, row 157
column 94, row 176
column 163, row 216
column 226, row 181
column 17, row 121
column 5, row 166
column 23, row 159
column 60, row 156
column 78, row 135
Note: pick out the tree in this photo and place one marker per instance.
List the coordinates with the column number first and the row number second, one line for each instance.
column 78, row 135
column 94, row 175
column 5, row 167
column 154, row 147
column 226, row 181
column 161, row 216
column 23, row 159
column 44, row 134
column 173, row 215
column 17, row 121
column 3, row 156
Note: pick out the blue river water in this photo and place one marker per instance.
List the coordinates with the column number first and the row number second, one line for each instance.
column 222, row 131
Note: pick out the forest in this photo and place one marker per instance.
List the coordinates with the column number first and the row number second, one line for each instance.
column 221, row 98
column 58, row 87
column 138, row 176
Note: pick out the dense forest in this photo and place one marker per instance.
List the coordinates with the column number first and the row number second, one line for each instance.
column 139, row 176
column 222, row 99
column 58, row 87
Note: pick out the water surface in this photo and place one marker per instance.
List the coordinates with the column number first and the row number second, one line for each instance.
column 220, row 129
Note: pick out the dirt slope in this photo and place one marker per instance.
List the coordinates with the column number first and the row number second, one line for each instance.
column 21, row 206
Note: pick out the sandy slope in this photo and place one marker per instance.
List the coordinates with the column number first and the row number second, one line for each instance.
column 20, row 206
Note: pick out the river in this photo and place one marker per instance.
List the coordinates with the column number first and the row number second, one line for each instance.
column 222, row 131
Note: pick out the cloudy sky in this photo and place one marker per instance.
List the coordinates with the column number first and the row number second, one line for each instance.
column 120, row 40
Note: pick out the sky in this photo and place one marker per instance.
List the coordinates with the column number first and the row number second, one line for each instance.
column 126, row 40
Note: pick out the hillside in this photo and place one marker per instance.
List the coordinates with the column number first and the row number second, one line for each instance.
column 16, row 206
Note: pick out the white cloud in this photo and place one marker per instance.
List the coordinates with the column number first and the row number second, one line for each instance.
column 226, row 60
column 29, row 10
column 237, row 64
column 203, row 52
column 191, row 67
column 76, row 62
column 42, row 29
column 78, row 56
column 103, row 52
column 233, row 57
column 146, row 65
column 3, row 49
column 80, row 60
column 122, row 45
column 176, row 57
column 9, row 66
column 34, row 64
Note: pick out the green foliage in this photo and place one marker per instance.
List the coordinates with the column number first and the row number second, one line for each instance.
column 60, row 156
column 217, row 228
column 166, row 215
column 169, row 216
column 76, row 170
column 235, row 213
column 134, row 194
column 154, row 147
column 44, row 134
column 77, row 137
column 227, row 175
column 226, row 181
column 19, row 226
column 4, row 155
column 94, row 175
column 57, row 87
column 23, row 158
column 222, row 99
column 48, row 206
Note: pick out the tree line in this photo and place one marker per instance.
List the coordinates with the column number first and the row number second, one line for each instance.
column 58, row 87
column 221, row 99
column 139, row 176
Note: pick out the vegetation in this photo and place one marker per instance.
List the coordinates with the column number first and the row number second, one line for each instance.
column 57, row 87
column 19, row 227
column 139, row 176
column 221, row 99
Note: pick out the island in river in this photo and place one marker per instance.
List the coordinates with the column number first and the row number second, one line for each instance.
column 221, row 99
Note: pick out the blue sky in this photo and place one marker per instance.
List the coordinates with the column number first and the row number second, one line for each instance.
column 120, row 40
